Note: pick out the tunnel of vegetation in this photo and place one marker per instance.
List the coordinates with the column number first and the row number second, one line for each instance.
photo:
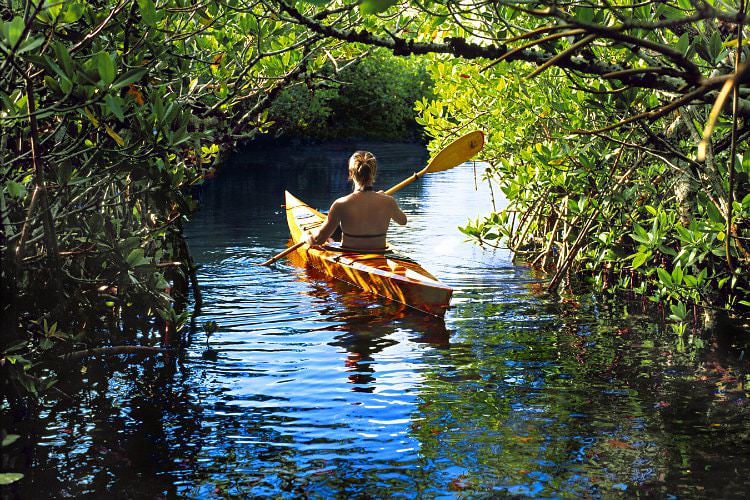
column 617, row 133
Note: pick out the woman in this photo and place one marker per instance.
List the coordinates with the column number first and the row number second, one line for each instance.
column 363, row 215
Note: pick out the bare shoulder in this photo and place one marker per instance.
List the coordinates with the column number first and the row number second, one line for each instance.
column 339, row 202
column 344, row 199
column 389, row 199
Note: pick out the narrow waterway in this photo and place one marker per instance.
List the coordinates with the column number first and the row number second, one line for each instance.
column 316, row 390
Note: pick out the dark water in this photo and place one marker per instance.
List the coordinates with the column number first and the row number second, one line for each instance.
column 319, row 392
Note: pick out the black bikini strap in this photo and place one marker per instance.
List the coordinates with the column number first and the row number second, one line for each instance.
column 363, row 235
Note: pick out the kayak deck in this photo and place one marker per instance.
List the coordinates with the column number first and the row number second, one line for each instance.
column 386, row 275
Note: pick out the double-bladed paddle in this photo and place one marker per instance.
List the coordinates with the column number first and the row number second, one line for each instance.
column 454, row 154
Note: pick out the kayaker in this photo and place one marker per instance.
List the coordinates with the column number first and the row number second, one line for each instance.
column 364, row 215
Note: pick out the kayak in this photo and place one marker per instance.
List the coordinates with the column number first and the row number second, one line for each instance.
column 385, row 274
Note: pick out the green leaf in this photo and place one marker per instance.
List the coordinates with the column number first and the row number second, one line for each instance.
column 7, row 478
column 639, row 259
column 715, row 45
column 106, row 68
column 677, row 275
column 129, row 77
column 670, row 12
column 713, row 212
column 679, row 311
column 16, row 189
column 30, row 44
column 64, row 57
column 148, row 11
column 73, row 12
column 584, row 14
column 375, row 6
column 683, row 44
column 641, row 238
column 135, row 258
column 10, row 439
column 13, row 30
column 664, row 276
column 114, row 105
column 55, row 9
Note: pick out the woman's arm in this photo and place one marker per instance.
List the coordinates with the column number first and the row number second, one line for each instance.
column 321, row 235
column 398, row 215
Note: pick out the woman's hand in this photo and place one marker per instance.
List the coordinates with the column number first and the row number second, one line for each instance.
column 310, row 239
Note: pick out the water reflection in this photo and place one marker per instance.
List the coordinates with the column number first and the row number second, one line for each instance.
column 320, row 391
column 367, row 325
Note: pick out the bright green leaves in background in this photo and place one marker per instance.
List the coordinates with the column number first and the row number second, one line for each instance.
column 148, row 12
column 375, row 6
column 12, row 31
column 365, row 6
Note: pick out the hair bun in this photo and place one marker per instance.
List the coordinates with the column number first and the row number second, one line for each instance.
column 363, row 167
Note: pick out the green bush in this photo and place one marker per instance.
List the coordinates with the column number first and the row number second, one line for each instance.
column 373, row 98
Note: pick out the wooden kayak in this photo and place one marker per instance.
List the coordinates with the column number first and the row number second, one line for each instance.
column 386, row 275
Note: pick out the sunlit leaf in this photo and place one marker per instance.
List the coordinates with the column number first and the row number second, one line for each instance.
column 664, row 276
column 7, row 478
column 13, row 30
column 639, row 260
column 114, row 135
column 94, row 121
column 73, row 12
column 106, row 68
column 375, row 6
column 9, row 439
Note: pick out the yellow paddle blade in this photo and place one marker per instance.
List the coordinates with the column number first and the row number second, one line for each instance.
column 454, row 154
column 461, row 150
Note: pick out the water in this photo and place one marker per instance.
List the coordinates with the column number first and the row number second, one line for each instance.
column 318, row 391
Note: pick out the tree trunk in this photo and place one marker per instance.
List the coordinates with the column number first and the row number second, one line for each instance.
column 50, row 239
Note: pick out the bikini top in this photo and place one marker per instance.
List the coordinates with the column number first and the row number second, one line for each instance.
column 349, row 235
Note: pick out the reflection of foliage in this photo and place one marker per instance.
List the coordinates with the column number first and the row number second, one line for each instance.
column 7, row 477
column 541, row 406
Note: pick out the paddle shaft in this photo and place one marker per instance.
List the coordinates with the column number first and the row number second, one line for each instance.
column 284, row 253
column 406, row 182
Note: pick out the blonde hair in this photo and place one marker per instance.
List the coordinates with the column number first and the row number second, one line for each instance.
column 363, row 167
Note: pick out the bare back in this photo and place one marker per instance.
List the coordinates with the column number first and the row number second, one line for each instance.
column 364, row 217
